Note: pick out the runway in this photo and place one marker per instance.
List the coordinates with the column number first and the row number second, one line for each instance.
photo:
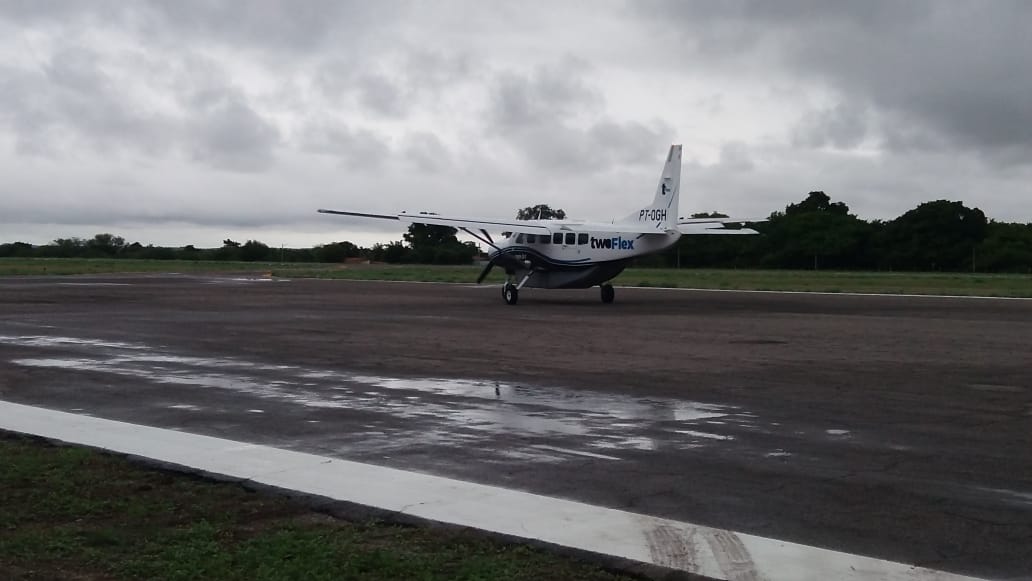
column 893, row 427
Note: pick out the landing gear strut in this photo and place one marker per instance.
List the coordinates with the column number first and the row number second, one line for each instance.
column 510, row 293
column 608, row 294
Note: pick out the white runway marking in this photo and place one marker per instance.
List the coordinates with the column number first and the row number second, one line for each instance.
column 574, row 452
column 716, row 553
column 844, row 294
column 93, row 284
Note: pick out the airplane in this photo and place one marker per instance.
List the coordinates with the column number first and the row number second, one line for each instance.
column 564, row 254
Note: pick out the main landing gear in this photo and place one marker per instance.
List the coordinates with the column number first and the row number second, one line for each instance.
column 608, row 293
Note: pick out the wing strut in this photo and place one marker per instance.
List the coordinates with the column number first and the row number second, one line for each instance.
column 483, row 237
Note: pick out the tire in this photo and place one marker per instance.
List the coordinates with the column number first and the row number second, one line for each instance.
column 608, row 293
column 510, row 294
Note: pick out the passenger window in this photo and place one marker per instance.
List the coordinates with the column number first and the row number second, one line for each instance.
column 557, row 238
column 582, row 239
column 571, row 238
column 544, row 239
column 519, row 239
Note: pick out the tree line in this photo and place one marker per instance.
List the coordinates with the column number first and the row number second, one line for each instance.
column 422, row 244
column 815, row 233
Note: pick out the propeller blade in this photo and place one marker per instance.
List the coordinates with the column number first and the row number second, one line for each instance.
column 487, row 269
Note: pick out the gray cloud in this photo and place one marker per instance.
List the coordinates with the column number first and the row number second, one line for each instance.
column 549, row 95
column 70, row 100
column 210, row 114
column 557, row 120
column 844, row 127
column 952, row 72
column 382, row 95
column 427, row 152
column 226, row 133
column 354, row 148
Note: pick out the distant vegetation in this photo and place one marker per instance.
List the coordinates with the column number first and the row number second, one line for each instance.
column 815, row 234
column 820, row 234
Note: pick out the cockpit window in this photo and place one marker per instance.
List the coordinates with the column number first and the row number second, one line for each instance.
column 519, row 239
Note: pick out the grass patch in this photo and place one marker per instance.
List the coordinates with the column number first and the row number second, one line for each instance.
column 75, row 513
column 1003, row 285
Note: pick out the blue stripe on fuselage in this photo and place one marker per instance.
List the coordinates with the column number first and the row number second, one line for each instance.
column 544, row 258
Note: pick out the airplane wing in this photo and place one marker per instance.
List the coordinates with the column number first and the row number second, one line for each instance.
column 525, row 227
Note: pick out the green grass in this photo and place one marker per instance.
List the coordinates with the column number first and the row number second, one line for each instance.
column 70, row 266
column 1004, row 285
column 74, row 513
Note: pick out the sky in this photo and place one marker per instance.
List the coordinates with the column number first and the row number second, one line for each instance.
column 193, row 121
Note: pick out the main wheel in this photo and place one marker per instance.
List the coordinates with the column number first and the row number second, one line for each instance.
column 608, row 293
column 510, row 293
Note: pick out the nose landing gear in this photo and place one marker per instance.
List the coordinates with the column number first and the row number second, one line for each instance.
column 510, row 293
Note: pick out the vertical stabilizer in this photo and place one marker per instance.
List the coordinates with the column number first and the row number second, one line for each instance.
column 662, row 213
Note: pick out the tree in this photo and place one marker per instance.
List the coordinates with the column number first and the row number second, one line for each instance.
column 65, row 248
column 814, row 233
column 336, row 252
column 817, row 202
column 230, row 251
column 16, row 249
column 421, row 236
column 939, row 235
column 1007, row 247
column 540, row 212
column 426, row 239
column 105, row 245
column 253, row 251
column 395, row 252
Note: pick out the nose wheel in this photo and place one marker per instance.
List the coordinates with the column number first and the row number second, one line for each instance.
column 608, row 293
column 510, row 293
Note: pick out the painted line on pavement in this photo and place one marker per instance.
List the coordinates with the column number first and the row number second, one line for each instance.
column 842, row 294
column 705, row 551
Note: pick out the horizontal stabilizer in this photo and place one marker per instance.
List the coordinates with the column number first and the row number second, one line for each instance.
column 684, row 221
column 712, row 228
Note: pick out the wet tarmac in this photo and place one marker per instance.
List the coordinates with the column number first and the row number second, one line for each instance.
column 898, row 428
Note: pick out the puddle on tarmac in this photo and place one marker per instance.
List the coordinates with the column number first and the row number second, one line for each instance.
column 432, row 411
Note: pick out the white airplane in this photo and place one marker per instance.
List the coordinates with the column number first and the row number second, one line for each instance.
column 577, row 254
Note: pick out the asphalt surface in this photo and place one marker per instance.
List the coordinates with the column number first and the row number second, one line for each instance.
column 894, row 427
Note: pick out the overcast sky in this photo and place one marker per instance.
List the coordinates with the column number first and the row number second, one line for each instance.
column 197, row 120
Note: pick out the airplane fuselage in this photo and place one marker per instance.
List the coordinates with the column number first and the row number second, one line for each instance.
column 575, row 255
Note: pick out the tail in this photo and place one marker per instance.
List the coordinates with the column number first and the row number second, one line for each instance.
column 662, row 214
